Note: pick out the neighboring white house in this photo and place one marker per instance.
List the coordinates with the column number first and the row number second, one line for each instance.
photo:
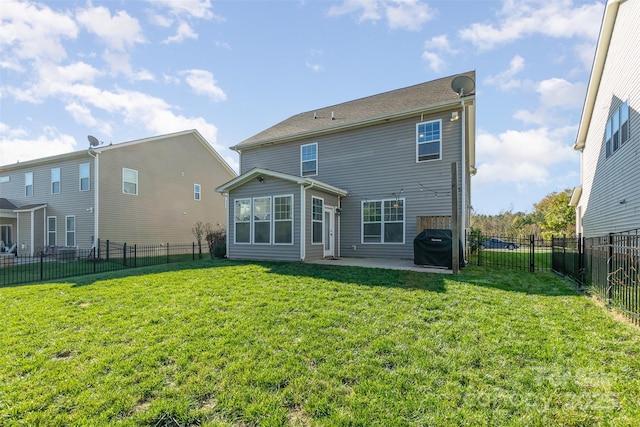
column 608, row 198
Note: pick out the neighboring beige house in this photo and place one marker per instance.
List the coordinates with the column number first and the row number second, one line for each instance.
column 608, row 198
column 147, row 191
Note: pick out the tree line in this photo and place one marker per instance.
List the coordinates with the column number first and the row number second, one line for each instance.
column 551, row 216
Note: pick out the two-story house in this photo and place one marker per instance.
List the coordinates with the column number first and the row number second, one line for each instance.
column 353, row 179
column 146, row 191
column 608, row 198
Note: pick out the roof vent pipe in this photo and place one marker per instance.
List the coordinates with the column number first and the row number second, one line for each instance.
column 332, row 117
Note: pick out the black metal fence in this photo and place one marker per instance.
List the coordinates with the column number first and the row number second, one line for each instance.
column 58, row 263
column 528, row 253
column 606, row 266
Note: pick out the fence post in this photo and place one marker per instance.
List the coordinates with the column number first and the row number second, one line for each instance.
column 41, row 265
column 107, row 250
column 610, row 270
column 135, row 255
column 581, row 261
column 124, row 254
column 532, row 253
column 167, row 252
column 479, row 242
column 193, row 251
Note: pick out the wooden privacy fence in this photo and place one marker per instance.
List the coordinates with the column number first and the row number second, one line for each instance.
column 433, row 222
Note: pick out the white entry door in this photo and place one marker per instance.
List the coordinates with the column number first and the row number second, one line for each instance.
column 328, row 231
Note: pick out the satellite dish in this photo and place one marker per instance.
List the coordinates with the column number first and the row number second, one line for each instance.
column 463, row 85
column 93, row 141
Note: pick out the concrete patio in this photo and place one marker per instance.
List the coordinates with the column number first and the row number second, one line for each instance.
column 387, row 263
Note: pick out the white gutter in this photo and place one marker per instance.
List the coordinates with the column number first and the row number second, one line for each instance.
column 96, row 198
column 464, row 174
column 602, row 48
column 303, row 222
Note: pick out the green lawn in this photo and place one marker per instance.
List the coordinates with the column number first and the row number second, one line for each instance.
column 221, row 343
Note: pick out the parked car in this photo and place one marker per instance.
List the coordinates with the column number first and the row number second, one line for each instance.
column 495, row 243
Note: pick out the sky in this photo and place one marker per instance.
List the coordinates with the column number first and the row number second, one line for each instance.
column 126, row 70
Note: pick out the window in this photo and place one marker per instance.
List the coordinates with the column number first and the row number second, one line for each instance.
column 383, row 221
column 196, row 191
column 55, row 181
column 242, row 216
column 71, row 230
column 617, row 129
column 129, row 181
column 309, row 159
column 283, row 219
column 52, row 225
column 28, row 184
column 428, row 140
column 85, row 182
column 5, row 179
column 317, row 206
column 262, row 220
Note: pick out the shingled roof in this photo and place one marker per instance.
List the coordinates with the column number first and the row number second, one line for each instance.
column 368, row 110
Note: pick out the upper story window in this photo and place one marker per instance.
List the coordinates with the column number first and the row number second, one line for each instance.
column 85, row 182
column 617, row 129
column 309, row 159
column 55, row 181
column 129, row 181
column 28, row 184
column 428, row 140
column 383, row 221
column 196, row 192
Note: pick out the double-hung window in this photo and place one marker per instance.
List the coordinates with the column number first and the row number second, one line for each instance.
column 262, row 220
column 28, row 184
column 617, row 129
column 242, row 220
column 129, row 181
column 85, row 181
column 429, row 140
column 55, row 181
column 71, row 230
column 383, row 221
column 196, row 191
column 283, row 220
column 52, row 225
column 309, row 159
column 317, row 208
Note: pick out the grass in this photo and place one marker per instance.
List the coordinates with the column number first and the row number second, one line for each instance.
column 221, row 343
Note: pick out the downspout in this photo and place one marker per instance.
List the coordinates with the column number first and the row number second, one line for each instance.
column 463, row 187
column 33, row 230
column 95, row 197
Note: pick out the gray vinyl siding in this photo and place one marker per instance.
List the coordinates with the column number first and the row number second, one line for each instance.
column 70, row 200
column 315, row 250
column 375, row 163
column 164, row 210
column 606, row 182
column 269, row 187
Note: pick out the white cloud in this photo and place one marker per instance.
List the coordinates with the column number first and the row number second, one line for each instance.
column 522, row 156
column 183, row 32
column 560, row 19
column 434, row 50
column 403, row 14
column 33, row 31
column 506, row 81
column 17, row 146
column 203, row 83
column 194, row 8
column 560, row 93
column 119, row 32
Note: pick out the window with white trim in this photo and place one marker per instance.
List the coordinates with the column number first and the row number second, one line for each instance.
column 317, row 208
column 28, row 184
column 196, row 192
column 70, row 222
column 262, row 220
column 55, row 181
column 242, row 220
column 383, row 221
column 309, row 159
column 617, row 129
column 283, row 220
column 83, row 172
column 52, row 226
column 129, row 181
column 428, row 140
